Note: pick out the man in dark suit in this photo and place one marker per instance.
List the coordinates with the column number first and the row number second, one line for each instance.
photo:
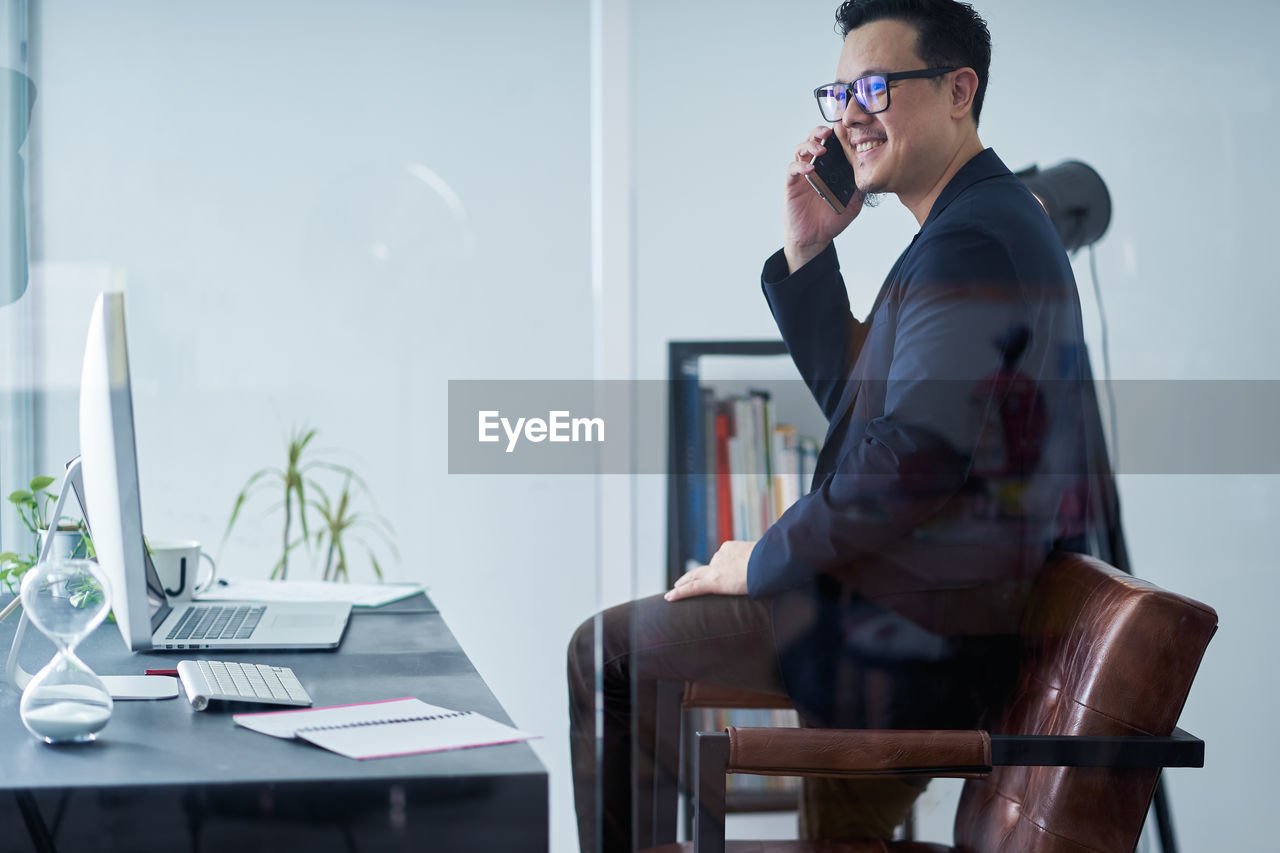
column 890, row 594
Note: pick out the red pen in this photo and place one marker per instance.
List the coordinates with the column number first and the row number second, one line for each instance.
column 162, row 672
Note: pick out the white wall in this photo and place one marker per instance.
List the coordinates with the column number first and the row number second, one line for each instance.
column 255, row 174
column 1176, row 107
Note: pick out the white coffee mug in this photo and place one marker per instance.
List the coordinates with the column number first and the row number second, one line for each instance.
column 177, row 562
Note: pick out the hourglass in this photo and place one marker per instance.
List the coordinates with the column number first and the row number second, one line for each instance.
column 65, row 702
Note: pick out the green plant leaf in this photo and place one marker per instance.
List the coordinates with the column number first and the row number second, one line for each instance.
column 41, row 483
column 280, row 563
column 21, row 497
column 395, row 552
column 326, row 517
column 335, row 467
column 302, row 505
column 27, row 515
column 302, row 437
column 242, row 497
column 342, row 563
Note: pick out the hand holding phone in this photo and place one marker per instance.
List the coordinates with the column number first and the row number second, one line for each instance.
column 822, row 205
column 832, row 176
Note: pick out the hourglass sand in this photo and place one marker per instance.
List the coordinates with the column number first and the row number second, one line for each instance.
column 65, row 702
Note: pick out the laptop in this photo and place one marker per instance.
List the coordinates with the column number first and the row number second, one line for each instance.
column 182, row 624
column 242, row 624
column 105, row 480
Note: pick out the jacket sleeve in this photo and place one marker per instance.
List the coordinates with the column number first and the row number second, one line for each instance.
column 811, row 308
column 957, row 297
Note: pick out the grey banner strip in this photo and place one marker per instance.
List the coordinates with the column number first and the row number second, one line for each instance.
column 621, row 427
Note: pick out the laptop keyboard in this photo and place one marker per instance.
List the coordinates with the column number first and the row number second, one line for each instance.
column 210, row 622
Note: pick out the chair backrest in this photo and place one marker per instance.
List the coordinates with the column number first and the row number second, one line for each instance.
column 1107, row 654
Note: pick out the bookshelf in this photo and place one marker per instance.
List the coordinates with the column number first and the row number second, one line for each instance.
column 753, row 387
column 732, row 368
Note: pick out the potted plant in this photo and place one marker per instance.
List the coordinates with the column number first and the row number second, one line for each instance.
column 301, row 494
column 342, row 525
column 71, row 538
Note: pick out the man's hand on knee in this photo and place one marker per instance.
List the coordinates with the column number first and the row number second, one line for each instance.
column 726, row 574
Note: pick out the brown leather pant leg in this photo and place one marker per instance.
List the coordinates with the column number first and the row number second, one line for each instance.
column 615, row 661
column 856, row 808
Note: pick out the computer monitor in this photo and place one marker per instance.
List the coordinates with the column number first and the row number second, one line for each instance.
column 109, row 467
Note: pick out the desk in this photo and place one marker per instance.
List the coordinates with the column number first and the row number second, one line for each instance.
column 162, row 776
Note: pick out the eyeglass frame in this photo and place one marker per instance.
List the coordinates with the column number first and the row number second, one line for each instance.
column 891, row 77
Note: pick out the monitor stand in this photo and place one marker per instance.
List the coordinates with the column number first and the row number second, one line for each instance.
column 120, row 686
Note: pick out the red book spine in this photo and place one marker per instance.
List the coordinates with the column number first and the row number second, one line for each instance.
column 724, row 497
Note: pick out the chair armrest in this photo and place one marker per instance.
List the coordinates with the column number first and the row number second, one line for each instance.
column 858, row 752
column 698, row 695
column 1179, row 749
column 823, row 752
column 963, row 754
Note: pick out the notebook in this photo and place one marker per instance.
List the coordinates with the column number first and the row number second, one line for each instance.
column 383, row 729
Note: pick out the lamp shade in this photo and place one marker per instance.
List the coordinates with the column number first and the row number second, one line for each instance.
column 1075, row 198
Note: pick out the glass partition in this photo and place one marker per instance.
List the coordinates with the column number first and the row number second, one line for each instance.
column 321, row 214
column 17, row 102
column 1177, row 297
column 328, row 218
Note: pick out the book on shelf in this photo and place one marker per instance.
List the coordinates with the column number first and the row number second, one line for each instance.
column 692, row 446
column 749, row 469
column 720, row 462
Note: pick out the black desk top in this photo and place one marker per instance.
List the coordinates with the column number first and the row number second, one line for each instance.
column 165, row 742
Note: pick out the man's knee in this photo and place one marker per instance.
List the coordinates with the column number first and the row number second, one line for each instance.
column 582, row 655
column 602, row 642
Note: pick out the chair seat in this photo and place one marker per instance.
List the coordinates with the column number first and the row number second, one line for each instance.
column 813, row 847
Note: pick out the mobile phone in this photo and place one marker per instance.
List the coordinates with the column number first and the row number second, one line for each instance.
column 832, row 175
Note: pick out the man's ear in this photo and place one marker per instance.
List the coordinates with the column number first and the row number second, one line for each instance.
column 964, row 87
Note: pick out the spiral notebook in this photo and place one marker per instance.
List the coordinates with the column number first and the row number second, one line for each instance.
column 383, row 729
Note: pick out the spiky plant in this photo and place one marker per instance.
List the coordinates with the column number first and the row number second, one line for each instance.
column 340, row 526
column 301, row 493
column 293, row 481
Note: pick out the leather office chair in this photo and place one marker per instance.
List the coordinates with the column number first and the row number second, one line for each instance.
column 1107, row 665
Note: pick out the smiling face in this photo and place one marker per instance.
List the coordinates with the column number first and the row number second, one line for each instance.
column 910, row 148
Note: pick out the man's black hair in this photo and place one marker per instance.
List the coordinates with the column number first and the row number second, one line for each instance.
column 948, row 33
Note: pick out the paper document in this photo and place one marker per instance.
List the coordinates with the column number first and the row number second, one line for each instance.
column 358, row 594
column 384, row 729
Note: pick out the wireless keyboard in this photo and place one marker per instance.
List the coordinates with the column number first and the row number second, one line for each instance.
column 230, row 681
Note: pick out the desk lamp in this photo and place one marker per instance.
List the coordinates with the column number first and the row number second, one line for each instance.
column 1075, row 198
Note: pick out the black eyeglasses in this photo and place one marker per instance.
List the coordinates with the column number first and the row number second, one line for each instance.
column 870, row 91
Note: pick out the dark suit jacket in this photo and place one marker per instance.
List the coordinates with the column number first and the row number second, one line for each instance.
column 954, row 456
